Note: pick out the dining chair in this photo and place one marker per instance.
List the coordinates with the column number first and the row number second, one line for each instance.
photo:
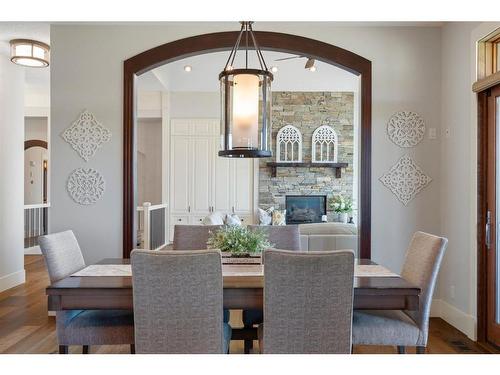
column 308, row 299
column 195, row 237
column 178, row 302
column 406, row 328
column 192, row 237
column 285, row 237
column 63, row 257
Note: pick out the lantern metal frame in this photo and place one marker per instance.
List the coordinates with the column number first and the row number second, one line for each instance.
column 226, row 79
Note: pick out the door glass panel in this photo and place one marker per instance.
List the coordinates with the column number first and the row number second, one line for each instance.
column 497, row 252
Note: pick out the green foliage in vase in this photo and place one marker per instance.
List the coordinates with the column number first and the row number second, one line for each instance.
column 340, row 204
column 238, row 240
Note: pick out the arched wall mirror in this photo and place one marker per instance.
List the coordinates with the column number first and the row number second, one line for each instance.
column 173, row 175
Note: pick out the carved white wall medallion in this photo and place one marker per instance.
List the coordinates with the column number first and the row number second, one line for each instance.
column 86, row 135
column 406, row 129
column 324, row 145
column 86, row 186
column 289, row 144
column 405, row 179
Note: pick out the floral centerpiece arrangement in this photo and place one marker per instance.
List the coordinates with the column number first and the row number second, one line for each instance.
column 340, row 205
column 239, row 241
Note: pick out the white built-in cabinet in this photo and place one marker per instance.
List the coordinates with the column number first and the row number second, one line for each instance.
column 201, row 182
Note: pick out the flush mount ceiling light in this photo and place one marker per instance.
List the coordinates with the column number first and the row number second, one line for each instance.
column 188, row 68
column 246, row 102
column 31, row 53
column 274, row 69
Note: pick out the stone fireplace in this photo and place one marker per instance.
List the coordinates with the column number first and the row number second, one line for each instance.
column 307, row 111
column 301, row 209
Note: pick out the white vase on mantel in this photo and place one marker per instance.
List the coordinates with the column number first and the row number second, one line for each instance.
column 343, row 217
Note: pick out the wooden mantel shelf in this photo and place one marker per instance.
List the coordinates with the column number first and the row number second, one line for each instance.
column 336, row 166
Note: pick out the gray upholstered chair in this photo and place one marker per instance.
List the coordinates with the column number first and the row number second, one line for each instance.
column 178, row 302
column 308, row 300
column 284, row 237
column 82, row 327
column 192, row 237
column 406, row 328
column 195, row 237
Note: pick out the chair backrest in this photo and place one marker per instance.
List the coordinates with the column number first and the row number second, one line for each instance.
column 62, row 254
column 192, row 237
column 284, row 237
column 308, row 300
column 177, row 301
column 421, row 267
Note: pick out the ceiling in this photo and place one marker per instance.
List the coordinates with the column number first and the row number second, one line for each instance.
column 38, row 78
column 291, row 75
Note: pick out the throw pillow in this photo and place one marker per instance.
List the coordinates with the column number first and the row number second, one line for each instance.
column 279, row 217
column 265, row 216
column 215, row 218
column 233, row 219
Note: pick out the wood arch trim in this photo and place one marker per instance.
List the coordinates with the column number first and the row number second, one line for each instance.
column 222, row 41
column 35, row 143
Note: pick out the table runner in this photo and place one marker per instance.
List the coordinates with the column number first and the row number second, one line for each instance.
column 124, row 270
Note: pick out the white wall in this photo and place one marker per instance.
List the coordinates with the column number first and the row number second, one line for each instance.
column 194, row 105
column 35, row 128
column 12, row 174
column 406, row 75
column 456, row 292
column 149, row 160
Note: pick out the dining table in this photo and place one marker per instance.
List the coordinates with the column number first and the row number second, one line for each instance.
column 375, row 288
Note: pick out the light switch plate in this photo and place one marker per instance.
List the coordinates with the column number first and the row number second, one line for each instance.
column 432, row 133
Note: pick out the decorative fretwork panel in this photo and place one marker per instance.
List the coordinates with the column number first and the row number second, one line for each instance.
column 324, row 145
column 289, row 145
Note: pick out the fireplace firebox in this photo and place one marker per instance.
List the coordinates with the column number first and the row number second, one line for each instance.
column 302, row 209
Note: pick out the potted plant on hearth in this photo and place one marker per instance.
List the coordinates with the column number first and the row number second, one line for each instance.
column 239, row 241
column 342, row 206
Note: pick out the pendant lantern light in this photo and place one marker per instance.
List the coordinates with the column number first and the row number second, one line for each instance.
column 245, row 102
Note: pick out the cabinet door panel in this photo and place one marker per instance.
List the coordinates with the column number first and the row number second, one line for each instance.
column 180, row 126
column 222, row 180
column 242, row 185
column 201, row 176
column 180, row 169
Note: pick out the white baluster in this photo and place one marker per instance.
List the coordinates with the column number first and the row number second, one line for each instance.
column 147, row 225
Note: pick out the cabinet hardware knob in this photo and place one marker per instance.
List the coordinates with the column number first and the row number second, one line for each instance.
column 179, row 219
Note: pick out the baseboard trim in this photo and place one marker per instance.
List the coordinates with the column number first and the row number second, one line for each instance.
column 12, row 280
column 457, row 318
column 34, row 250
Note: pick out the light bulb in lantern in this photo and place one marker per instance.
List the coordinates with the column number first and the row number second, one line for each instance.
column 245, row 111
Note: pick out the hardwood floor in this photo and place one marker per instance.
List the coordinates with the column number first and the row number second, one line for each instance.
column 25, row 326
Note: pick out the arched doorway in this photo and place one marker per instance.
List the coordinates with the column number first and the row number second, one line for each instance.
column 207, row 43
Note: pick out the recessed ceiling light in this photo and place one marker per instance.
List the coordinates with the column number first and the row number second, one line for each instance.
column 188, row 68
column 274, row 69
column 312, row 69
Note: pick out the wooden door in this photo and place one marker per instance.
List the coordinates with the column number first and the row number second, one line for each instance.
column 493, row 218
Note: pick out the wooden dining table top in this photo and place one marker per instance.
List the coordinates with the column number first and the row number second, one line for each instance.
column 243, row 288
